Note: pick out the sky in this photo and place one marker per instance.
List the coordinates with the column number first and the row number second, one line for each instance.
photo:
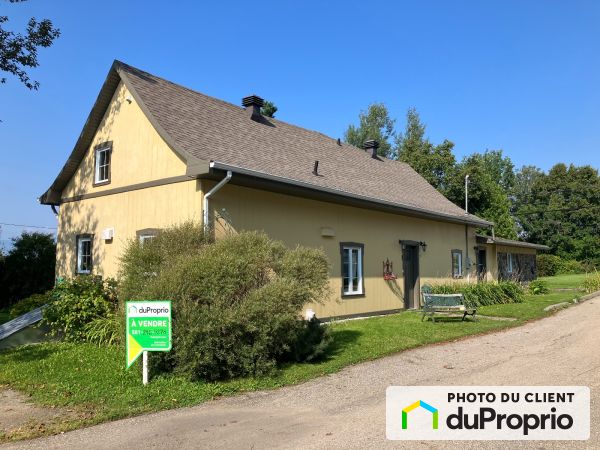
column 521, row 76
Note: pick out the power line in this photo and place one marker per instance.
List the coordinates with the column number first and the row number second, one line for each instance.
column 27, row 226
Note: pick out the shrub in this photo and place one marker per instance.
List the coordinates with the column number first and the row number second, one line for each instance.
column 141, row 263
column 107, row 330
column 484, row 293
column 77, row 302
column 547, row 265
column 550, row 265
column 236, row 304
column 538, row 287
column 570, row 266
column 591, row 283
column 30, row 303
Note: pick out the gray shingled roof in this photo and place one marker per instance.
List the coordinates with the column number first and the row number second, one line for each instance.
column 510, row 242
column 203, row 128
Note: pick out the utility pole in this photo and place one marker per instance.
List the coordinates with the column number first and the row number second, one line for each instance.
column 466, row 194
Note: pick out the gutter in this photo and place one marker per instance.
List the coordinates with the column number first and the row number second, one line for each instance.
column 209, row 194
column 257, row 174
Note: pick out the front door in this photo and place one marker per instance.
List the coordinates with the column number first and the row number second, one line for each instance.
column 410, row 267
column 481, row 264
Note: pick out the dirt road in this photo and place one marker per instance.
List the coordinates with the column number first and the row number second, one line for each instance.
column 347, row 410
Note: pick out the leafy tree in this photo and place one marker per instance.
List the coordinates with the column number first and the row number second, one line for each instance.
column 500, row 168
column 375, row 123
column 268, row 109
column 435, row 163
column 487, row 198
column 20, row 51
column 28, row 267
column 561, row 209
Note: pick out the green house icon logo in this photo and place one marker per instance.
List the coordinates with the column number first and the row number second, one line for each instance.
column 422, row 404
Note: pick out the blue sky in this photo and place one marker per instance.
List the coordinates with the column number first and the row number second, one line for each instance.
column 522, row 76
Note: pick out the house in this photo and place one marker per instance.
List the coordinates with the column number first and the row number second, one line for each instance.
column 153, row 153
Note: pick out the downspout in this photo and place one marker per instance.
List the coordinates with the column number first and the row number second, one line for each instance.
column 209, row 194
column 467, row 264
column 53, row 207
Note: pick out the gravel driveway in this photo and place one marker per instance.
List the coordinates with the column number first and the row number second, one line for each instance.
column 347, row 410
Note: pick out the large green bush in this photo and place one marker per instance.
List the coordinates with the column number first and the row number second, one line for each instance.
column 236, row 302
column 550, row 265
column 483, row 293
column 76, row 303
column 140, row 263
column 30, row 303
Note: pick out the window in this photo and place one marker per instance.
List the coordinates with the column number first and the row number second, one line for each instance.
column 147, row 234
column 84, row 253
column 352, row 269
column 457, row 269
column 102, row 164
column 510, row 263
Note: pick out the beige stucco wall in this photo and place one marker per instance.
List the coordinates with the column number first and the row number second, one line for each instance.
column 156, row 207
column 139, row 154
column 298, row 221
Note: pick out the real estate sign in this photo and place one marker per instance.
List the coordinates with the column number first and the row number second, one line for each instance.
column 148, row 327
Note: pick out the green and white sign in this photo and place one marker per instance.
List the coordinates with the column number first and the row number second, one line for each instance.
column 148, row 328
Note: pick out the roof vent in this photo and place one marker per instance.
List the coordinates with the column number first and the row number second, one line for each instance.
column 372, row 145
column 253, row 103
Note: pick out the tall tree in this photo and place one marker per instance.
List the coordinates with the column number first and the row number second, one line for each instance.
column 435, row 163
column 18, row 52
column 375, row 123
column 28, row 267
column 487, row 197
column 562, row 210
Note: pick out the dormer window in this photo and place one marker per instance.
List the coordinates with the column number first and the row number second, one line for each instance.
column 102, row 164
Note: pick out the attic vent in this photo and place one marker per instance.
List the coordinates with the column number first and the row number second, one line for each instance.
column 253, row 103
column 373, row 146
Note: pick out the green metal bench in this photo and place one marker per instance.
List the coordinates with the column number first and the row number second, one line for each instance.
column 445, row 303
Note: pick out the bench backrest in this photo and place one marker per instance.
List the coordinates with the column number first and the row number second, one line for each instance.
column 443, row 299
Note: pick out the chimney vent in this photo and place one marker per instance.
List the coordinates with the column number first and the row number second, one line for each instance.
column 372, row 145
column 316, row 168
column 253, row 103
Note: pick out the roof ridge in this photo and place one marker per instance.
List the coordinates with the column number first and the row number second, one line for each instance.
column 239, row 108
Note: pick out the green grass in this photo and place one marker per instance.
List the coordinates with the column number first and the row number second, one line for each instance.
column 93, row 381
column 572, row 281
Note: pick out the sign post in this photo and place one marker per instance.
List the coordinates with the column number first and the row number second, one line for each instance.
column 148, row 329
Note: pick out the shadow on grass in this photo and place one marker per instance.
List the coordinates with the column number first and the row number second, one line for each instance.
column 450, row 319
column 341, row 339
column 28, row 353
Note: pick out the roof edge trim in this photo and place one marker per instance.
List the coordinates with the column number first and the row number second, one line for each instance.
column 406, row 208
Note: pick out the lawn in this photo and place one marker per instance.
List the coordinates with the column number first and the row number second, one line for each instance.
column 565, row 281
column 93, row 380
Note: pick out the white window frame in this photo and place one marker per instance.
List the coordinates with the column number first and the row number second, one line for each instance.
column 80, row 241
column 460, row 263
column 97, row 169
column 510, row 266
column 146, row 237
column 354, row 251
